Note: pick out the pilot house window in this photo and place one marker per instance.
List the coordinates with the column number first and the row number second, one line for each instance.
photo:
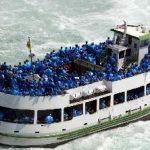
column 135, row 45
column 129, row 40
column 121, row 54
column 128, row 52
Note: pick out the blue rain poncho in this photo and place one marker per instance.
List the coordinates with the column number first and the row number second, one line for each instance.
column 49, row 119
column 49, row 72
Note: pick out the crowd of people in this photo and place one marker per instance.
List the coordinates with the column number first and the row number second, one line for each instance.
column 51, row 75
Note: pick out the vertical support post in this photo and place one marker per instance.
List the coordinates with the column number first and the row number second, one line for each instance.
column 111, row 106
column 125, row 96
column 114, row 38
column 97, row 105
column 145, row 90
column 62, row 114
column 84, row 108
column 35, row 116
column 111, row 100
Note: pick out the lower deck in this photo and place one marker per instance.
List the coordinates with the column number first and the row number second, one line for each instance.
column 78, row 122
column 54, row 140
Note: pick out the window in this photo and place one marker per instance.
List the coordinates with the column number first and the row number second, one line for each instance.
column 104, row 102
column 128, row 52
column 135, row 93
column 119, row 98
column 73, row 111
column 135, row 45
column 148, row 89
column 16, row 115
column 146, row 42
column 90, row 107
column 49, row 116
column 121, row 54
column 118, row 39
column 129, row 40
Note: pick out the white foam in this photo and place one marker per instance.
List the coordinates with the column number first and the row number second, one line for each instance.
column 132, row 137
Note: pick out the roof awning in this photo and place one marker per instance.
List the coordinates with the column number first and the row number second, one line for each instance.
column 135, row 32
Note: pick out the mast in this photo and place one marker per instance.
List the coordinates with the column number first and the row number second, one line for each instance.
column 124, row 34
column 31, row 55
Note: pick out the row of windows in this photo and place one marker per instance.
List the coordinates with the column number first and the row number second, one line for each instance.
column 50, row 116
column 122, row 54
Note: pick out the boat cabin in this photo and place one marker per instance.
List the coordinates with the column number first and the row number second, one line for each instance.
column 130, row 44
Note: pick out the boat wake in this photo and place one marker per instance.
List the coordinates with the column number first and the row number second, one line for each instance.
column 132, row 137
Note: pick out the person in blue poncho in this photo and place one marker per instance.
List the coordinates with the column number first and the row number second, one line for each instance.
column 4, row 66
column 108, row 41
column 102, row 104
column 49, row 119
column 74, row 113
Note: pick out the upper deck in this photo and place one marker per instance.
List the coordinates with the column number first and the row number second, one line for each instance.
column 73, row 67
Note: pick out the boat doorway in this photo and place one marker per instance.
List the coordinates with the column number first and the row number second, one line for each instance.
column 129, row 40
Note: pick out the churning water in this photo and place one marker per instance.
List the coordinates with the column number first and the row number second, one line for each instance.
column 55, row 23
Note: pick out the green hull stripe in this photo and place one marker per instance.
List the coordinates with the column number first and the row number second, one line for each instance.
column 105, row 125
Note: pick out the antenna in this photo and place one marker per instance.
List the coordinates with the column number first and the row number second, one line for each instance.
column 124, row 34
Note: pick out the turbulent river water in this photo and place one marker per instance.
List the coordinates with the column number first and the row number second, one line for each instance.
column 55, row 23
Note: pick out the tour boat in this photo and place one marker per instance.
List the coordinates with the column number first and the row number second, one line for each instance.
column 76, row 91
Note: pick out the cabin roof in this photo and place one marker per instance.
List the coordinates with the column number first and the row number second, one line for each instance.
column 135, row 31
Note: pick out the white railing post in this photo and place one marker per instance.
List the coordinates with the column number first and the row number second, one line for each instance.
column 35, row 116
column 83, row 108
column 62, row 114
